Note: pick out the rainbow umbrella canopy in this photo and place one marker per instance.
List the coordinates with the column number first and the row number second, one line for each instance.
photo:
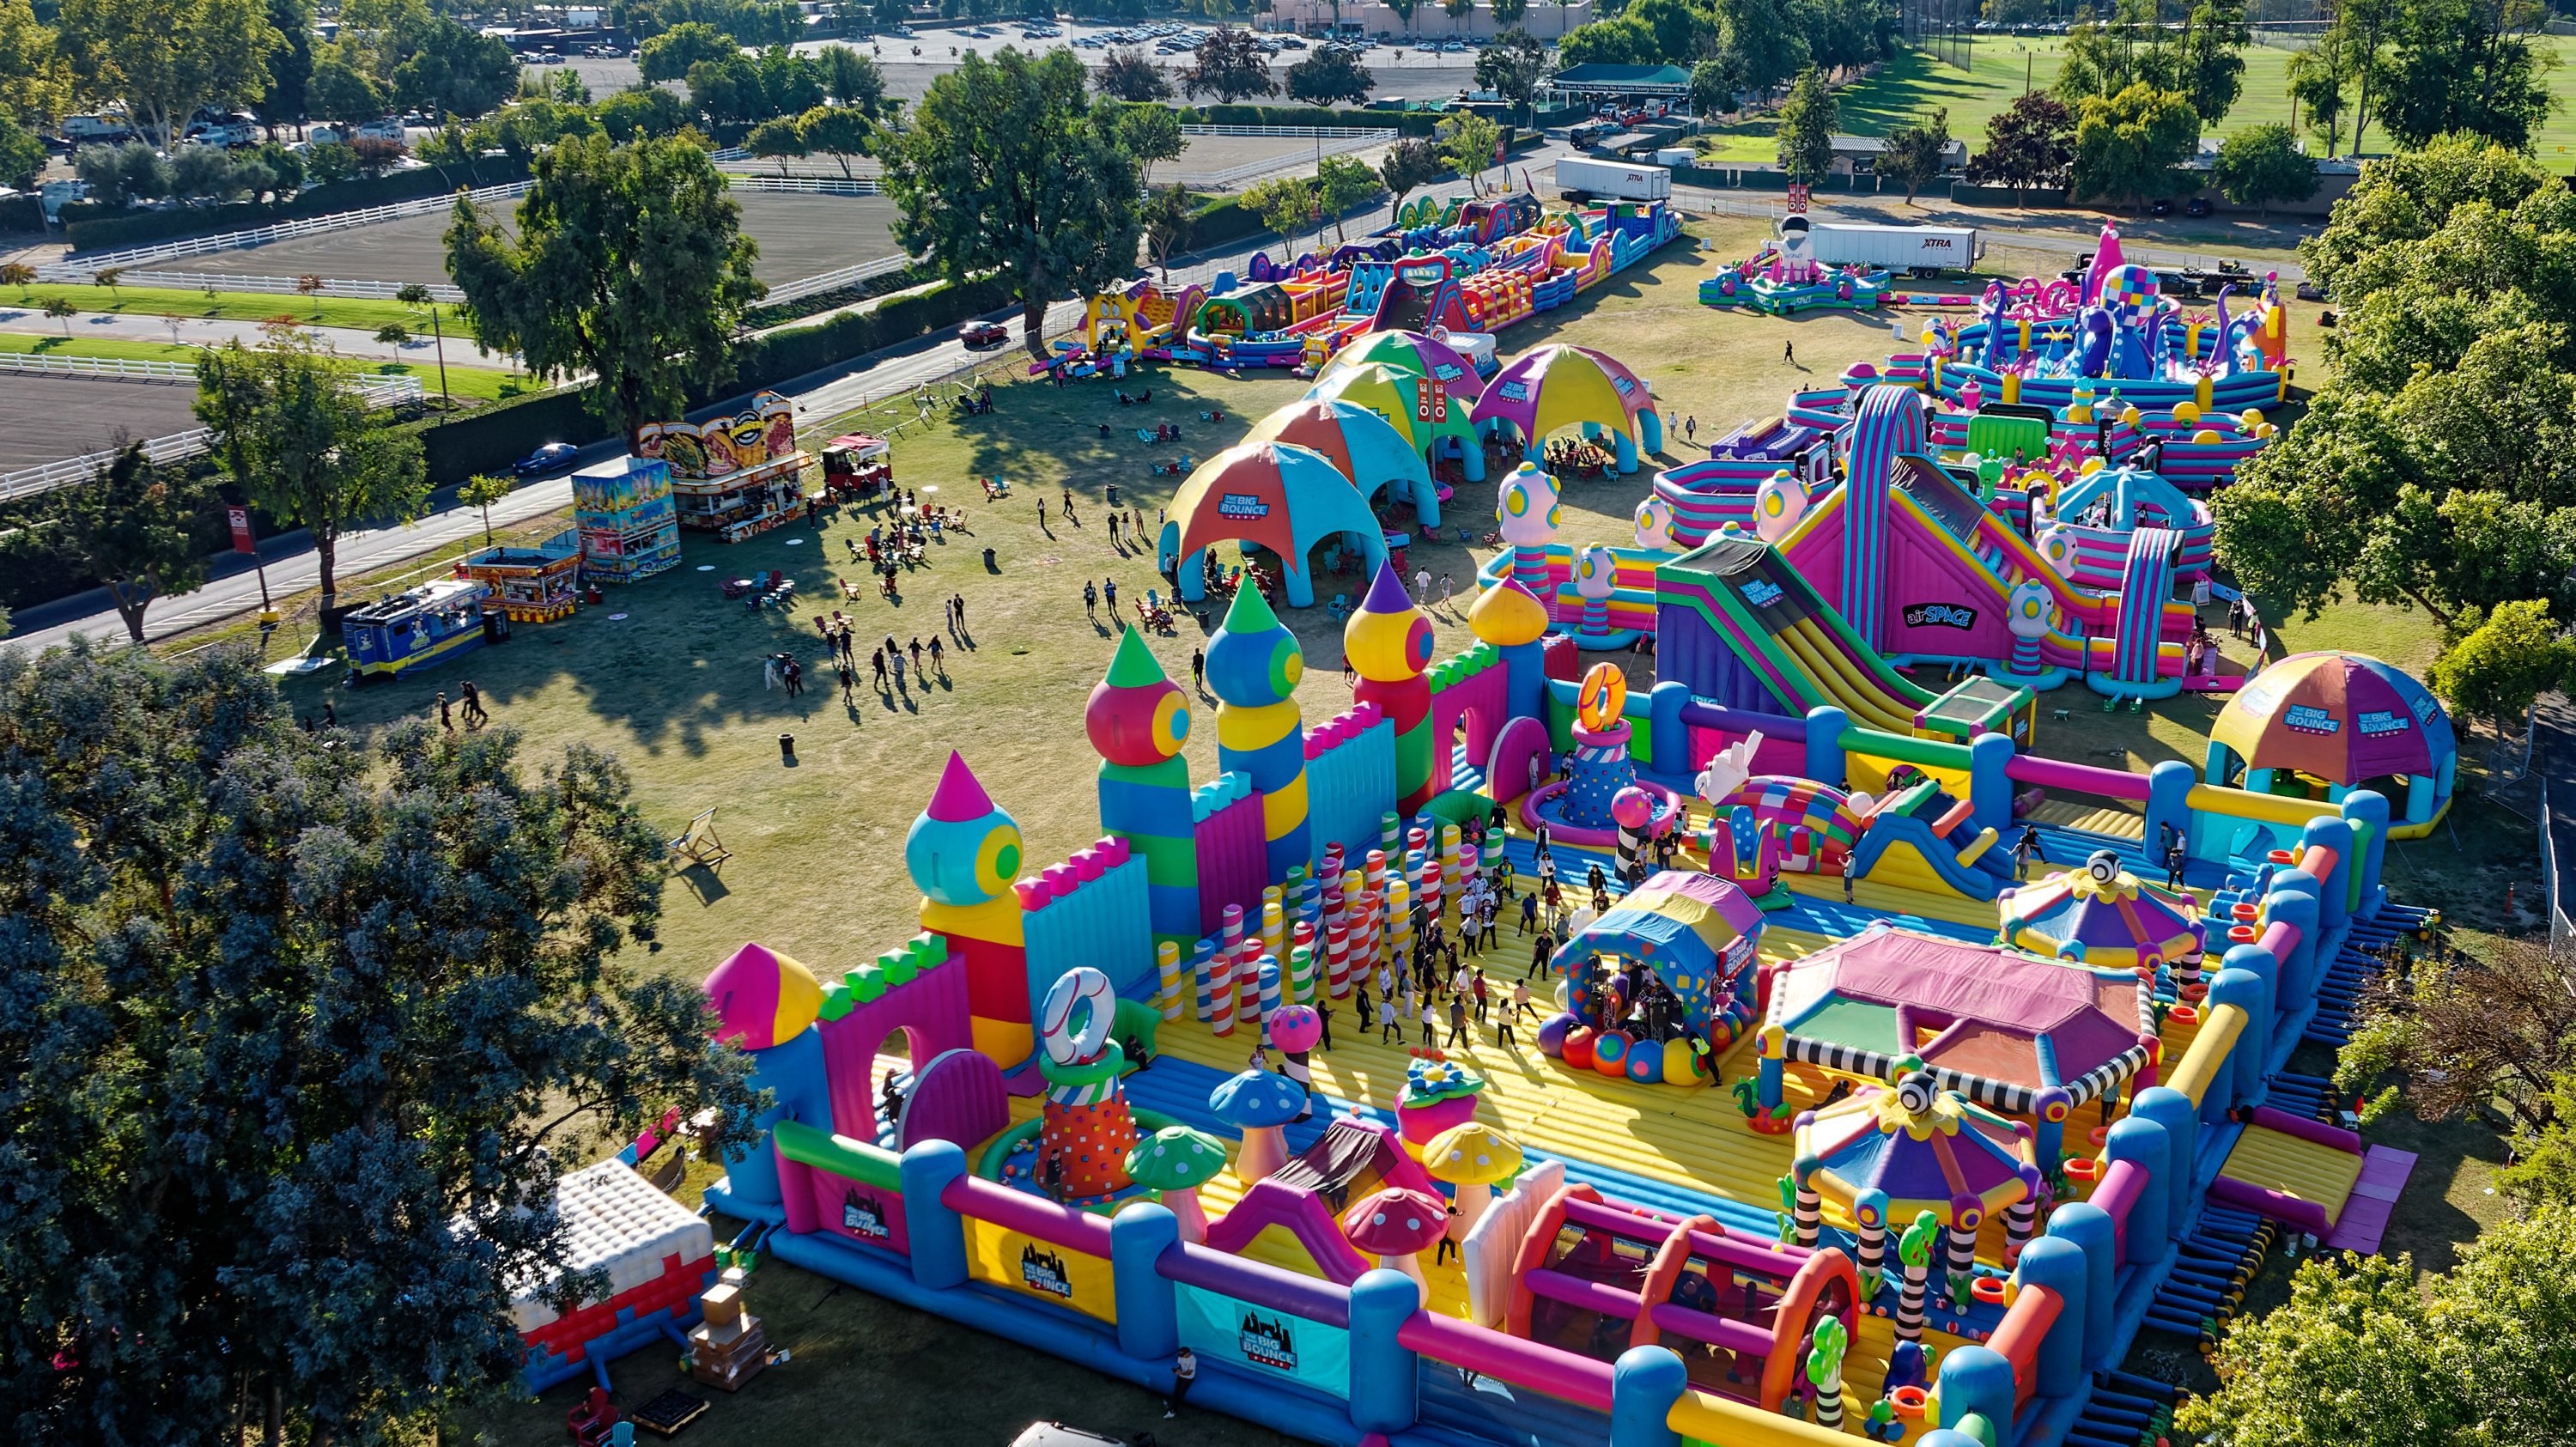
column 1414, row 354
column 2103, row 916
column 1888, row 1154
column 1277, row 495
column 1697, row 932
column 1436, row 426
column 1549, row 389
column 1363, row 446
column 2346, row 719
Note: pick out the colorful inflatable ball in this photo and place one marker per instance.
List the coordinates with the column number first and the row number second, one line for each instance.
column 1610, row 1052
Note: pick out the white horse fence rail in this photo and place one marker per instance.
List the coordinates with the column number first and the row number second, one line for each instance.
column 87, row 268
column 178, row 446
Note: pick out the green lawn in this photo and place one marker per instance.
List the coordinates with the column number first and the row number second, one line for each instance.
column 668, row 676
column 479, row 383
column 234, row 306
column 2002, row 67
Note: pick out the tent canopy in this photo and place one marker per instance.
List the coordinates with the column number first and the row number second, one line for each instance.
column 1548, row 389
column 1275, row 495
column 1416, row 355
column 2341, row 717
column 1360, row 444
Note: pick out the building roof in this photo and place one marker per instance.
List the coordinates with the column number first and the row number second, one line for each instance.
column 1614, row 79
column 1953, row 154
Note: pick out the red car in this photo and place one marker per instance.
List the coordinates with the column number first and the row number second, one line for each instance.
column 983, row 334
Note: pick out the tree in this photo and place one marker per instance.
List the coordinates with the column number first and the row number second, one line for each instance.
column 1330, row 75
column 2466, row 65
column 777, row 139
column 2263, row 164
column 2127, row 145
column 341, row 92
column 1715, row 84
column 672, row 54
column 2542, row 1171
column 1152, row 134
column 35, row 82
column 301, row 444
column 416, row 294
column 18, row 274
column 839, row 132
column 1766, row 37
column 1513, row 66
column 164, row 58
column 644, row 111
column 1404, row 11
column 2365, row 1355
column 1915, row 153
column 1285, row 204
column 1807, row 120
column 851, row 77
column 2467, row 1034
column 449, row 70
column 1468, row 143
column 1005, row 169
column 122, row 175
column 629, row 264
column 60, row 309
column 2407, row 197
column 2512, row 656
column 277, row 947
column 1508, row 13
column 1408, row 166
column 2208, row 57
column 2104, row 57
column 481, row 491
column 2319, row 76
column 330, row 162
column 21, row 155
column 1129, row 76
column 130, row 527
column 1229, row 66
column 1340, row 184
column 1171, row 214
column 202, row 173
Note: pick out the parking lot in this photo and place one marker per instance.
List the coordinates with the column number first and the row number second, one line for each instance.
column 799, row 235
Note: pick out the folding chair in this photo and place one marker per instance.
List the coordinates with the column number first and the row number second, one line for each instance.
column 698, row 843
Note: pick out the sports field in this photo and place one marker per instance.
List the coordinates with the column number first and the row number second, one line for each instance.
column 800, row 234
column 2003, row 67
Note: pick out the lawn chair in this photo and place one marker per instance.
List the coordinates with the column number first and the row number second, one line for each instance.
column 736, row 587
column 850, row 592
column 1148, row 438
column 1339, row 608
column 698, row 843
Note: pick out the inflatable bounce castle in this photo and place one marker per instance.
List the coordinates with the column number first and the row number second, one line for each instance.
column 1889, row 1098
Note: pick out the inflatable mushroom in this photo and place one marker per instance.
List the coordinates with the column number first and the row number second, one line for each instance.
column 1471, row 1157
column 1259, row 1104
column 1175, row 1161
column 1393, row 1224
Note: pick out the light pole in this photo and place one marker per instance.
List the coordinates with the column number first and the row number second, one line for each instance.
column 418, row 296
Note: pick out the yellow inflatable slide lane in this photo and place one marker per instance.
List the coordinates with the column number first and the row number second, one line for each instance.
column 2296, row 1171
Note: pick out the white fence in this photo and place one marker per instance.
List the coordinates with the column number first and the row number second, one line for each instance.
column 439, row 291
column 815, row 185
column 1329, row 141
column 1300, row 133
column 86, row 268
column 125, row 368
column 824, row 281
column 178, row 446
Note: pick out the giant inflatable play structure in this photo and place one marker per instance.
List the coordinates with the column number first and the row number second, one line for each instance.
column 1462, row 267
column 1847, row 1122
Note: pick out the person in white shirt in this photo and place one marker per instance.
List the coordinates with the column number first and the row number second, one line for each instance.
column 1185, row 1370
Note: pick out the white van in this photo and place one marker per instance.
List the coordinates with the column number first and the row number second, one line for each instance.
column 84, row 130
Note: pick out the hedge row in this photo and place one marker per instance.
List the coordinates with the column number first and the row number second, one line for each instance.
column 21, row 213
column 1412, row 123
column 91, row 226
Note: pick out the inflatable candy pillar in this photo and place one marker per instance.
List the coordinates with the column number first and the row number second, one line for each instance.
column 1084, row 1128
column 766, row 1004
column 964, row 854
column 1388, row 642
column 1138, row 720
column 1526, row 511
column 1599, row 767
column 1253, row 664
column 1511, row 617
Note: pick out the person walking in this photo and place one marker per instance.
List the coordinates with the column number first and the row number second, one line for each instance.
column 916, row 658
column 2175, row 858
column 938, row 656
column 1850, row 858
column 1185, row 1370
column 475, row 714
column 1529, row 910
column 1457, row 1021
column 1042, row 527
column 1090, row 601
column 1789, row 353
column 1324, row 1018
column 849, row 681
column 957, row 601
column 1540, row 953
column 1198, row 670
column 1109, row 594
column 446, row 720
column 1690, row 428
column 2023, row 848
column 1482, row 992
column 1389, row 1030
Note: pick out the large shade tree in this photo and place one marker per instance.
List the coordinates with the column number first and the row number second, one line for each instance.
column 300, row 1036
column 1005, row 168
column 629, row 264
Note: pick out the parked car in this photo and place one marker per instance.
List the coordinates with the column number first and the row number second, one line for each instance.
column 983, row 334
column 547, row 459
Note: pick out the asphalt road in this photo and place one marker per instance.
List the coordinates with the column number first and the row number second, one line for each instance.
column 799, row 235
column 43, row 418
column 819, row 398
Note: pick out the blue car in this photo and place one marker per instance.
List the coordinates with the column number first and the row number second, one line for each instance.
column 547, row 458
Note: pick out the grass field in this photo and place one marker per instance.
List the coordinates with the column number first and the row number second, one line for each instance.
column 668, row 676
column 2002, row 67
column 481, row 383
column 232, row 306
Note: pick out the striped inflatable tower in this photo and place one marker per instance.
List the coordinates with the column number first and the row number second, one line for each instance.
column 1138, row 721
column 2145, row 584
column 1388, row 643
column 1890, row 425
column 964, row 854
column 1253, row 664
